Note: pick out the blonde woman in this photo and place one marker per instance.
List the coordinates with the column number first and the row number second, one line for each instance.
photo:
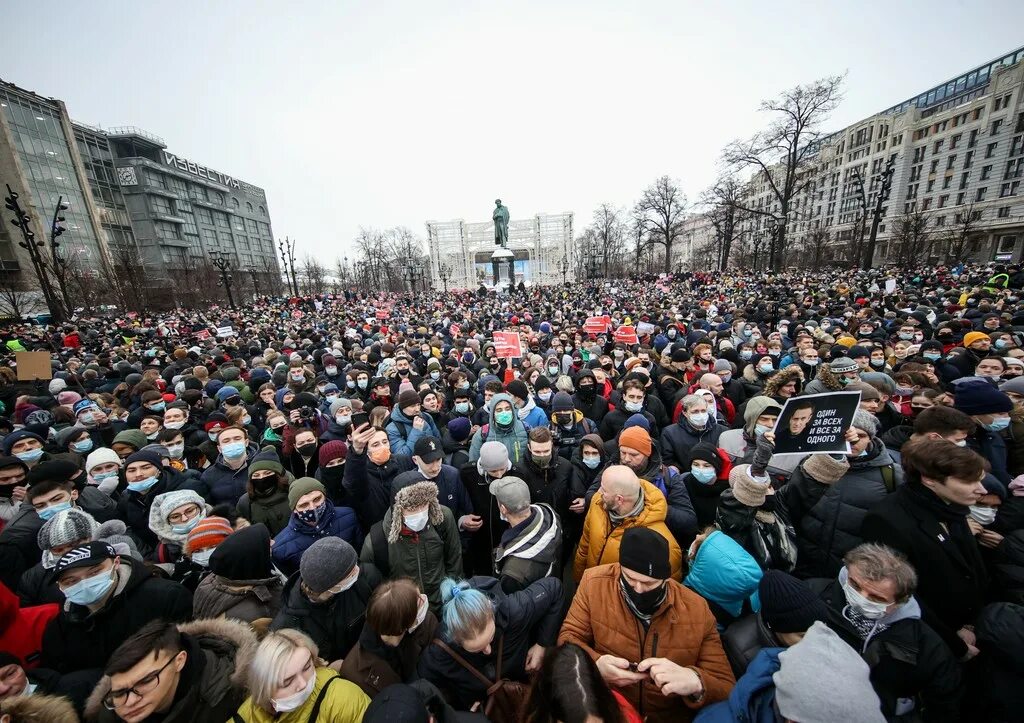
column 288, row 683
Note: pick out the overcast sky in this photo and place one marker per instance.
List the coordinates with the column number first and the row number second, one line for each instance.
column 394, row 113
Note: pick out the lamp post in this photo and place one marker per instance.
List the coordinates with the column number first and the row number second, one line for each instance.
column 224, row 266
column 255, row 282
column 29, row 243
column 444, row 272
column 60, row 264
column 877, row 212
column 563, row 266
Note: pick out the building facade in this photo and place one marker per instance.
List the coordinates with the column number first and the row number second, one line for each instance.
column 957, row 151
column 464, row 250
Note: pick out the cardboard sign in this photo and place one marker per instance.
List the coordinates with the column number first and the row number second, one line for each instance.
column 33, row 365
column 506, row 345
column 382, row 314
column 225, row 331
column 644, row 328
column 816, row 423
column 203, row 334
column 625, row 335
column 597, row 325
column 890, row 286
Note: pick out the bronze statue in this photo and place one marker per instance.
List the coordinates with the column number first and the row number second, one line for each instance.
column 500, row 218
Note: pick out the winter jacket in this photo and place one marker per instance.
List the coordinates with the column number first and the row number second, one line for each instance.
column 514, row 438
column 1000, row 634
column 549, row 485
column 567, row 439
column 213, row 679
column 450, row 491
column 428, row 557
column 521, row 620
column 273, row 510
column 340, row 702
column 244, row 600
column 600, row 621
column 765, row 532
column 21, row 628
column 725, row 575
column 402, row 435
column 226, row 485
column 478, row 557
column 828, row 518
column 704, row 497
column 951, row 578
column 753, row 698
column 369, row 484
column 615, row 420
column 530, row 550
column 334, row 625
column 992, row 447
column 37, row 587
column 678, row 439
column 19, row 549
column 536, row 417
column 77, row 639
column 292, row 541
column 373, row 665
column 744, row 639
column 600, row 542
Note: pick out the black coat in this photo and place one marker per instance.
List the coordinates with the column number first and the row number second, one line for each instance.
column 335, row 625
column 704, row 498
column 998, row 671
column 952, row 580
column 76, row 640
column 678, row 439
column 19, row 549
column 370, row 484
column 37, row 587
column 550, row 484
column 133, row 508
column 478, row 555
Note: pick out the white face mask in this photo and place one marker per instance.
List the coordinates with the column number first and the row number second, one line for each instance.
column 284, row 705
column 346, row 583
column 421, row 613
column 203, row 557
column 868, row 608
column 418, row 521
column 984, row 516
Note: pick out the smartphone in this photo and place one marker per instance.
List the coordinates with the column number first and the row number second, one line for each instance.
column 359, row 419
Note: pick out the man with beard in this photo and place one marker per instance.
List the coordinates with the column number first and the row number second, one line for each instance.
column 545, row 473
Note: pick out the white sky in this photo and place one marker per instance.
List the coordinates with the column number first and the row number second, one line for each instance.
column 392, row 113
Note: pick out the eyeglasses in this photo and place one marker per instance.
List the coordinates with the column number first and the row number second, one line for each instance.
column 185, row 515
column 147, row 685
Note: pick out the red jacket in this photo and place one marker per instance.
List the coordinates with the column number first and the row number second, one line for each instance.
column 72, row 340
column 21, row 629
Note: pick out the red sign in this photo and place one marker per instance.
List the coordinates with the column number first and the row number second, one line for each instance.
column 454, row 329
column 203, row 333
column 625, row 335
column 297, row 314
column 597, row 325
column 506, row 345
column 382, row 314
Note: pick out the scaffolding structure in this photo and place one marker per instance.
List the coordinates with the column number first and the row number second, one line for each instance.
column 539, row 244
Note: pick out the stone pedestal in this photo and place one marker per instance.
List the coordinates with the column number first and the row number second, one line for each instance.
column 502, row 263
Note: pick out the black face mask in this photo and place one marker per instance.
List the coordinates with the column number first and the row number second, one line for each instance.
column 587, row 393
column 403, row 372
column 265, row 486
column 646, row 603
column 333, row 474
column 7, row 491
column 306, row 450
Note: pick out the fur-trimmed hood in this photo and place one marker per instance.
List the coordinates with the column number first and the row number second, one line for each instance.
column 229, row 644
column 38, row 709
column 416, row 495
column 781, row 378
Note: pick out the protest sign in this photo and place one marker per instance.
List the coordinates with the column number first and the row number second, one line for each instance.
column 506, row 345
column 203, row 334
column 890, row 286
column 597, row 325
column 33, row 365
column 225, row 331
column 816, row 423
column 644, row 328
column 625, row 335
column 382, row 314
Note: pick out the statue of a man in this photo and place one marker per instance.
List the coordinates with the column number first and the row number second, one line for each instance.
column 500, row 218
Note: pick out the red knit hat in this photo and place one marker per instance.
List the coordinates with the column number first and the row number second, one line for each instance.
column 335, row 449
column 210, row 532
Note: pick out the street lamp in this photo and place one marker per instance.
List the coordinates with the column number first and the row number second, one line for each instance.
column 444, row 272
column 255, row 282
column 224, row 265
column 563, row 266
column 29, row 243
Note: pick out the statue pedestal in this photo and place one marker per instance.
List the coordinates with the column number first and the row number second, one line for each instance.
column 502, row 261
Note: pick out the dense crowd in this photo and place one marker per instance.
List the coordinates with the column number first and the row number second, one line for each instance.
column 375, row 507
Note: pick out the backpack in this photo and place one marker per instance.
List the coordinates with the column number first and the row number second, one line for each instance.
column 773, row 544
column 889, row 477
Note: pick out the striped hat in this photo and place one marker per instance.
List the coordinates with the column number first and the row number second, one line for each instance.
column 210, row 532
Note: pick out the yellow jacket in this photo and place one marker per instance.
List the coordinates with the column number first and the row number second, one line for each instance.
column 344, row 703
column 599, row 544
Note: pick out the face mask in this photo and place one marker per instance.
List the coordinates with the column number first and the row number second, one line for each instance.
column 984, row 516
column 552, row 371
column 311, row 517
column 173, row 425
column 362, row 383
column 321, row 388
column 773, row 352
column 350, row 384
column 997, row 425
column 845, row 381
column 868, row 608
column 91, row 589
column 212, row 436
column 48, row 512
column 297, row 377
column 187, row 527
column 159, row 406
column 541, row 460
column 704, row 475
column 592, row 462
column 202, row 558
column 462, row 407
column 698, row 420
column 233, row 450
column 176, row 450
column 760, row 429
column 503, row 418
column 766, row 368
column 746, row 354
column 284, row 705
column 343, row 419
column 545, row 395
column 418, row 521
column 648, row 602
column 932, row 356
column 421, row 613
column 587, row 392
column 380, row 456
column 906, row 337
column 877, row 363
column 427, row 475
column 246, row 420
column 726, row 378
column 32, row 455
column 1000, row 343
column 152, row 436
column 403, row 372
column 306, row 450
column 144, row 485
column 82, row 447
column 671, row 334
column 331, row 370
column 88, row 419
column 106, row 482
column 464, row 385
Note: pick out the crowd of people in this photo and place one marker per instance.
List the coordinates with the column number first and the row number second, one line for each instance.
column 375, row 507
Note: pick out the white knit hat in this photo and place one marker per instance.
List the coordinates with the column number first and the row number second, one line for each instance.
column 102, row 455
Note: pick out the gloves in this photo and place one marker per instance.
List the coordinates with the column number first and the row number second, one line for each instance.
column 762, row 455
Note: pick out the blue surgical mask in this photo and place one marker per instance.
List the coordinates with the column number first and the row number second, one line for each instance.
column 592, row 462
column 435, row 375
column 32, row 455
column 905, row 336
column 351, row 384
column 704, row 475
column 212, row 436
column 997, row 425
column 143, row 486
column 765, row 368
column 462, row 407
column 246, row 420
column 159, row 406
column 746, row 354
column 233, row 450
column 932, row 356
column 362, row 383
column 1000, row 343
column 82, row 447
column 48, row 512
column 176, row 450
column 187, row 527
column 760, row 429
column 91, row 589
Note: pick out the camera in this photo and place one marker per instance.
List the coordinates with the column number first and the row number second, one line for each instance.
column 307, row 412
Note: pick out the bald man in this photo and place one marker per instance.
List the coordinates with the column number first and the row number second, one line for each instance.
column 623, row 501
column 713, row 383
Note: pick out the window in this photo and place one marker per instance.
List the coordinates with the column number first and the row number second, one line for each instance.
column 161, row 205
column 1016, row 146
column 221, row 220
column 1009, row 189
column 166, row 230
column 990, row 149
column 1007, row 244
column 1014, row 169
column 968, row 159
column 996, row 125
column 973, row 140
column 935, row 166
column 926, row 204
column 943, row 199
column 204, row 215
column 955, row 141
column 980, row 196
column 263, row 211
column 931, row 185
column 959, row 199
column 963, row 180
column 946, row 181
column 938, row 146
column 248, row 206
column 986, row 171
column 1004, row 212
column 940, row 220
column 950, row 161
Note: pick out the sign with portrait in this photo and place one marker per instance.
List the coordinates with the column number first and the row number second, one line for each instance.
column 816, row 423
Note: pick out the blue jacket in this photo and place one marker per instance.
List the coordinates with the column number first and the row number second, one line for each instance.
column 536, row 418
column 992, row 447
column 724, row 574
column 224, row 484
column 402, row 435
column 293, row 540
column 753, row 697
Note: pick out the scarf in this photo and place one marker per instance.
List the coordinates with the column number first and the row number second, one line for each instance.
column 865, row 627
column 645, row 618
column 617, row 519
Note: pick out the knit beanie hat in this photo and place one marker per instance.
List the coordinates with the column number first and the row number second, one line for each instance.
column 787, row 604
column 825, row 468
column 210, row 532
column 493, row 455
column 645, row 551
column 166, row 503
column 408, row 398
column 266, row 459
column 67, row 399
column 132, row 437
column 517, row 388
column 841, row 681
column 338, row 404
column 867, row 392
column 858, row 351
column 325, row 563
column 18, row 435
column 973, row 336
column 842, row 365
column 638, row 420
column 1015, row 385
column 980, row 397
column 65, row 527
column 57, row 386
column 707, row 453
column 561, row 402
column 638, row 439
column 745, row 489
column 302, row 487
column 411, row 497
column 243, row 555
column 459, row 429
column 145, row 455
column 866, row 421
column 330, row 451
column 103, row 455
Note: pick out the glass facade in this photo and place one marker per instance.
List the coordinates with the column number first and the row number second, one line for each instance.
column 98, row 163
column 39, row 141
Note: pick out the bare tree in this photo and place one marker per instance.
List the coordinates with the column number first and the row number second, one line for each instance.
column 17, row 300
column 312, row 276
column 814, row 244
column 663, row 205
column 726, row 213
column 608, row 231
column 962, row 239
column 783, row 155
column 911, row 238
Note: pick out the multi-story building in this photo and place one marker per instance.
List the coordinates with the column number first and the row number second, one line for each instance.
column 957, row 151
